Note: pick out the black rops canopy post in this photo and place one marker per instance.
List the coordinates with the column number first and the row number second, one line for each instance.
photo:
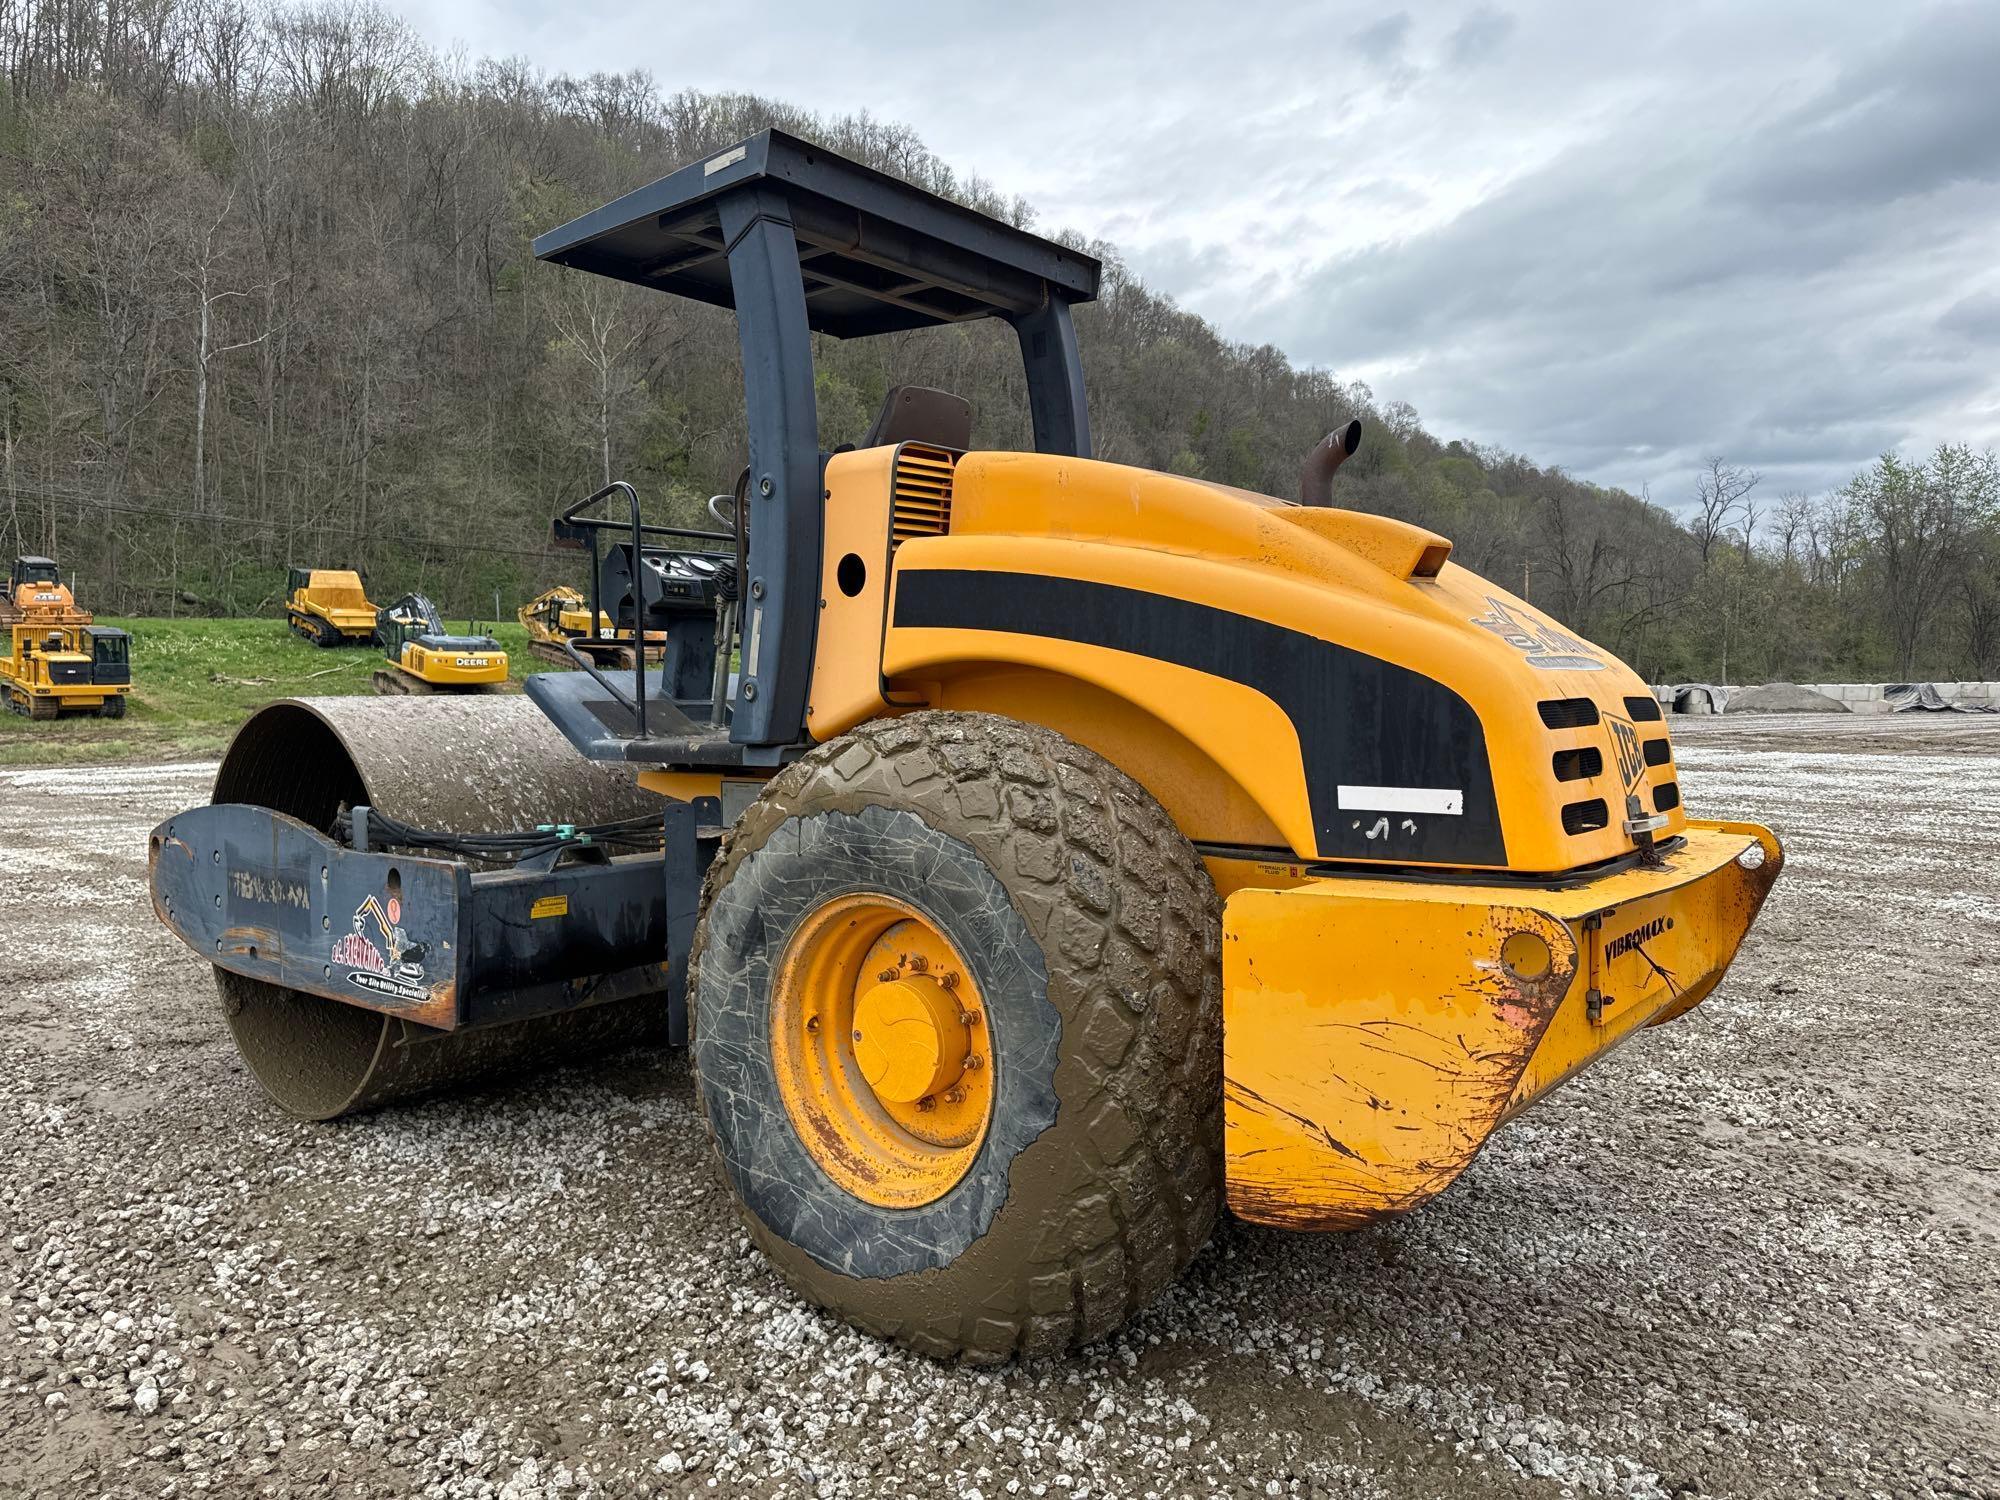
column 799, row 240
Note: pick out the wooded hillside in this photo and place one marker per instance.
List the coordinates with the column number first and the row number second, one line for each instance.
column 266, row 296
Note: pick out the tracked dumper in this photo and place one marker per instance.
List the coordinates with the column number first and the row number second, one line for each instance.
column 328, row 606
column 1076, row 851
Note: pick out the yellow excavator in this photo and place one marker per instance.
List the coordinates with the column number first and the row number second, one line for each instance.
column 554, row 616
column 558, row 622
column 424, row 657
column 56, row 660
column 1041, row 856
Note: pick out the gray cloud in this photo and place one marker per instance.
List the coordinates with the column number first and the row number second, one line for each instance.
column 1976, row 319
column 1479, row 36
column 1612, row 240
column 1383, row 40
column 1920, row 114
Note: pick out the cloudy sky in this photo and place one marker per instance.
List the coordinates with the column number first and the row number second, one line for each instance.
column 1617, row 238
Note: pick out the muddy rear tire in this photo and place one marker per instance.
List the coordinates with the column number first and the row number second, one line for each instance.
column 1091, row 934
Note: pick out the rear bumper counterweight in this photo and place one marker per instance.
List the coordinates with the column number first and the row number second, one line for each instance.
column 1377, row 1032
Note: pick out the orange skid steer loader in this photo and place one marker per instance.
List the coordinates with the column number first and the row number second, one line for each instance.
column 1041, row 856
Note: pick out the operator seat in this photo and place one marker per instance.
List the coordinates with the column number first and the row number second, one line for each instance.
column 918, row 414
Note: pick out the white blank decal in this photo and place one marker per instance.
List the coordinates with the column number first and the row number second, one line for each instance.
column 727, row 159
column 1403, row 799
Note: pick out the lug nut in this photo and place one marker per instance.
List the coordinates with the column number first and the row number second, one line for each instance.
column 886, row 975
column 918, row 963
column 954, row 1095
column 973, row 1062
column 927, row 1104
column 949, row 979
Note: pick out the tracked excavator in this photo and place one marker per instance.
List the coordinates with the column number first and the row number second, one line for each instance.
column 423, row 656
column 1074, row 854
column 559, row 618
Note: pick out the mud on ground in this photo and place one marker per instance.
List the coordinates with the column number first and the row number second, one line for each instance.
column 1757, row 1253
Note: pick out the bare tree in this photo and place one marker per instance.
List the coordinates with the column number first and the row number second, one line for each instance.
column 1980, row 602
column 1794, row 524
column 201, row 279
column 598, row 329
column 1719, row 494
column 1586, row 564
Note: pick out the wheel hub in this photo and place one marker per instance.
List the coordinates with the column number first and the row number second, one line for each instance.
column 908, row 1039
column 880, row 1048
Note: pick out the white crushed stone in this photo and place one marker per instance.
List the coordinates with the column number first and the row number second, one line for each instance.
column 1740, row 1258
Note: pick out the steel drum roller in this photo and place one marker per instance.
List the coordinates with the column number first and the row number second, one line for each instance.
column 467, row 764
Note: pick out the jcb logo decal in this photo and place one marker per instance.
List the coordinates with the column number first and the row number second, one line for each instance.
column 1631, row 762
column 1539, row 641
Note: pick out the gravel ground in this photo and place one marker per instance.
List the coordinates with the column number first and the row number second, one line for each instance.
column 1754, row 1254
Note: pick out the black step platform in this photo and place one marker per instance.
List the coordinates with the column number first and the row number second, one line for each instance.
column 603, row 728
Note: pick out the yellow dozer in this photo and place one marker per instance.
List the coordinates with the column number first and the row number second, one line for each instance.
column 328, row 606
column 56, row 661
column 36, row 594
column 1040, row 856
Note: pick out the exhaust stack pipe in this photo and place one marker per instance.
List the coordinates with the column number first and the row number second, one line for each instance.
column 1333, row 450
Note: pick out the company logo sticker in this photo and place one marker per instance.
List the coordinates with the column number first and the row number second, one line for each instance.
column 1540, row 642
column 379, row 955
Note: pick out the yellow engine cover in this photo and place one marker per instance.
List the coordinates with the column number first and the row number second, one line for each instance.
column 1321, row 682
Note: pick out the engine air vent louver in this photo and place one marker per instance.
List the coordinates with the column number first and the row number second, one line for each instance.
column 1579, row 765
column 920, row 492
column 1585, row 817
column 1643, row 710
column 1666, row 797
column 1568, row 713
column 1657, row 752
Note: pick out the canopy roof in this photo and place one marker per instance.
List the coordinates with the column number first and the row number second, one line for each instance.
column 877, row 254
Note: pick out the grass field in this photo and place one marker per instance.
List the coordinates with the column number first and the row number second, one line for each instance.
column 195, row 681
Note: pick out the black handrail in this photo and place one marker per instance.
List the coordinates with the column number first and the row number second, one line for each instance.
column 638, row 529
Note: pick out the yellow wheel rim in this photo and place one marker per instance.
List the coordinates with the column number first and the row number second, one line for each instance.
column 882, row 1051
